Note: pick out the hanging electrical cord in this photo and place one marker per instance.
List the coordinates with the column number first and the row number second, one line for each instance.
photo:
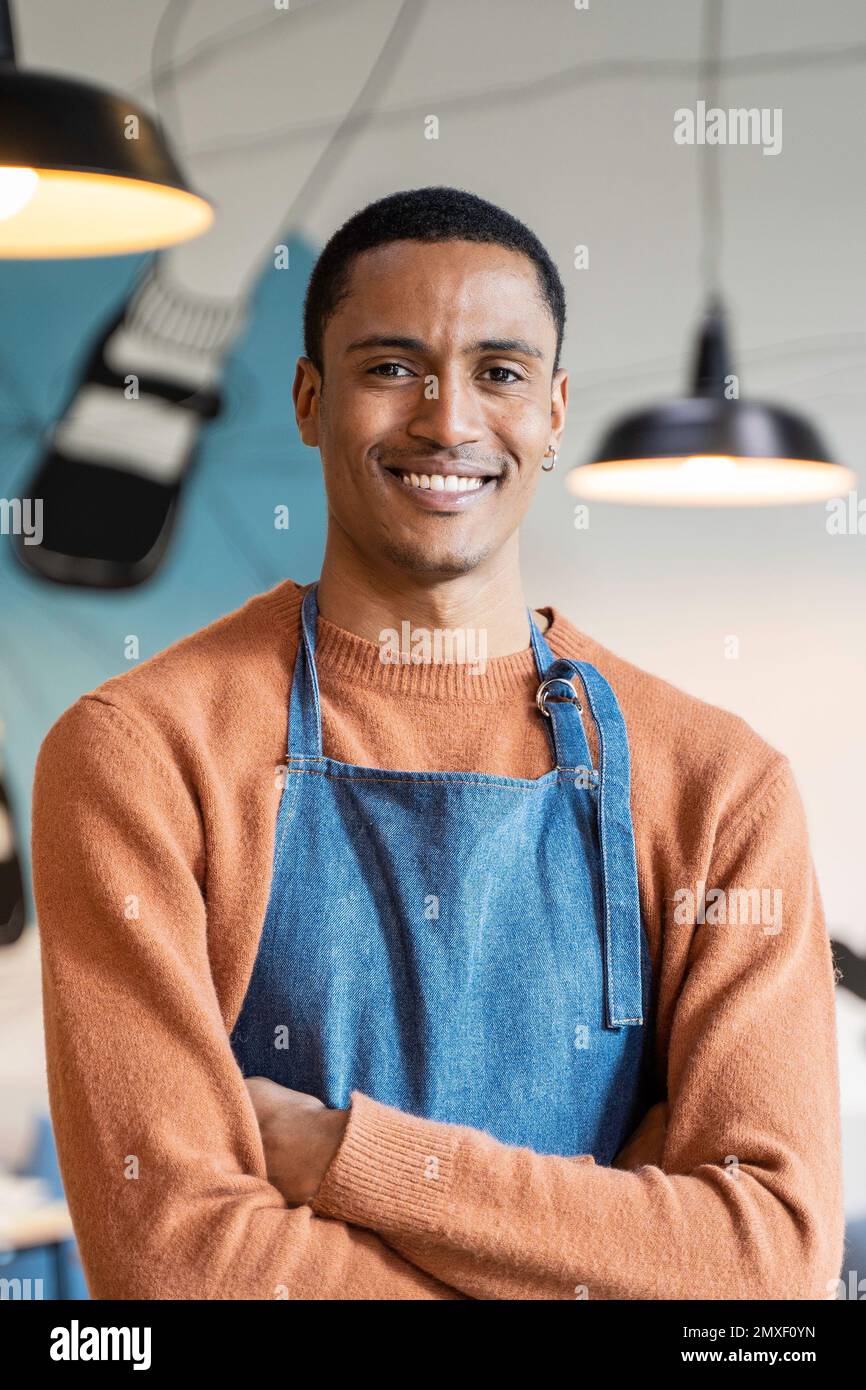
column 709, row 168
column 163, row 80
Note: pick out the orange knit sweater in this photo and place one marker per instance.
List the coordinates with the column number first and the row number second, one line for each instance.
column 154, row 811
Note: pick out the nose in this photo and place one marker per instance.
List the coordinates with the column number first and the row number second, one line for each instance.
column 447, row 411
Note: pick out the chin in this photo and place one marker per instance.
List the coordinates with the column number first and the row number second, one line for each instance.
column 444, row 564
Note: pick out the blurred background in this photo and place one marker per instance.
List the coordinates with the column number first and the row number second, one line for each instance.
column 288, row 120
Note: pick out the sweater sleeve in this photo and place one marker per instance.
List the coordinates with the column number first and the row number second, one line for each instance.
column 730, row 1188
column 157, row 1139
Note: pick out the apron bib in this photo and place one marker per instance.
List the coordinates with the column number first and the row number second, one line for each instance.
column 462, row 946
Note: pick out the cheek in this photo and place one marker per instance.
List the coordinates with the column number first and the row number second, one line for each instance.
column 356, row 421
column 367, row 414
column 524, row 429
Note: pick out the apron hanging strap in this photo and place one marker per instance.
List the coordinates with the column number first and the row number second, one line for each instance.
column 622, row 924
column 621, row 900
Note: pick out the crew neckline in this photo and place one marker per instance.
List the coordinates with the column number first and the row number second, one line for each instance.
column 343, row 656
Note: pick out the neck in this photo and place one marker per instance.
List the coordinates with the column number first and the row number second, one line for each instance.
column 364, row 599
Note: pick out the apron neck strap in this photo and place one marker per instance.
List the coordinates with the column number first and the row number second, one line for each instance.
column 564, row 724
column 305, row 710
column 540, row 649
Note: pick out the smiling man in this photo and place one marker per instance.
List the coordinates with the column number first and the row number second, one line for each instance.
column 369, row 979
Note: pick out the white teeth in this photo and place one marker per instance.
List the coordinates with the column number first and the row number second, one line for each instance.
column 443, row 482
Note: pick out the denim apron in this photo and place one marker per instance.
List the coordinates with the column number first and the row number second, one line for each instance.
column 463, row 946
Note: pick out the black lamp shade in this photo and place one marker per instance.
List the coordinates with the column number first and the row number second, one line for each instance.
column 706, row 449
column 107, row 181
column 706, row 425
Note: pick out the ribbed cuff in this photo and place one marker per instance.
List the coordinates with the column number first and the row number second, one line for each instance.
column 392, row 1171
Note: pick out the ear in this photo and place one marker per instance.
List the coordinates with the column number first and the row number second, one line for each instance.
column 558, row 405
column 306, row 394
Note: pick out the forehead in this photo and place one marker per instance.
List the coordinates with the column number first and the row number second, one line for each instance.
column 443, row 290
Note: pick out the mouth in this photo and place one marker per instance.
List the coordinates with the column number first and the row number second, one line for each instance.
column 449, row 490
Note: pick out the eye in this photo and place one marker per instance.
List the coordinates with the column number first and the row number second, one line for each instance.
column 389, row 370
column 509, row 371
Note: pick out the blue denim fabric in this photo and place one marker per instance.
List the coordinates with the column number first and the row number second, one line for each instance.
column 464, row 946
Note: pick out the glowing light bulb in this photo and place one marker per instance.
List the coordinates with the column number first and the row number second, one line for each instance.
column 17, row 187
column 711, row 470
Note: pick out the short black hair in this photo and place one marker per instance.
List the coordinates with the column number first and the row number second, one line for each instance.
column 437, row 213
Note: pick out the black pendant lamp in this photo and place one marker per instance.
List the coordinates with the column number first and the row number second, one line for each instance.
column 710, row 448
column 84, row 172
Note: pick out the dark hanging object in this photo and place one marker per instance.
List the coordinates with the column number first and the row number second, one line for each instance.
column 11, row 880
column 710, row 423
column 94, row 170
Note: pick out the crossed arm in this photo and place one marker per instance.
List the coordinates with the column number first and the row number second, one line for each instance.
column 178, row 1191
column 730, row 1188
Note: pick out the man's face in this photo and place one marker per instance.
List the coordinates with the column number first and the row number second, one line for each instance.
column 438, row 364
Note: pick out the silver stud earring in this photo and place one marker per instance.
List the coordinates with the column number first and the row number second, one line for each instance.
column 549, row 467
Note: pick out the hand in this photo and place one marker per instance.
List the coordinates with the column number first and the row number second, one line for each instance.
column 300, row 1136
column 647, row 1143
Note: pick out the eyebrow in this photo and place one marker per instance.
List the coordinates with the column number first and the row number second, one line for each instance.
column 418, row 345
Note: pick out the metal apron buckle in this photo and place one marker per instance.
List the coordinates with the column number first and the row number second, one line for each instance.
column 556, row 680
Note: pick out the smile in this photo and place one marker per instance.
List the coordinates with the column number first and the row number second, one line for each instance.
column 445, row 492
column 442, row 482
